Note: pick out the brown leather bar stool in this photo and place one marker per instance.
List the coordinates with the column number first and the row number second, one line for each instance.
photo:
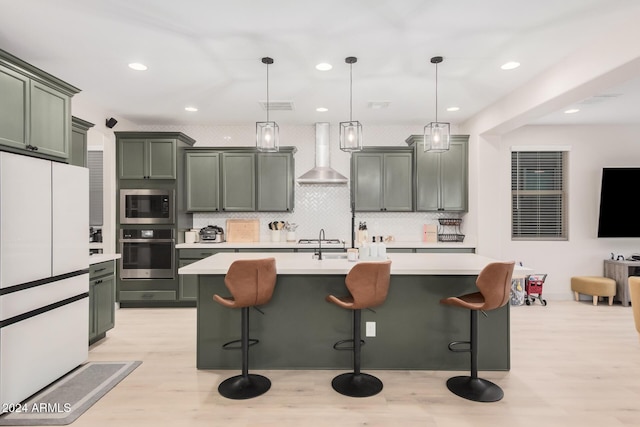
column 494, row 284
column 368, row 284
column 251, row 283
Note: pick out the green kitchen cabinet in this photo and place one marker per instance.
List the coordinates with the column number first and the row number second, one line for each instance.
column 275, row 182
column 50, row 124
column 239, row 179
column 202, row 181
column 14, row 108
column 382, row 180
column 146, row 158
column 102, row 299
column 238, row 183
column 188, row 283
column 441, row 178
column 35, row 110
column 78, row 148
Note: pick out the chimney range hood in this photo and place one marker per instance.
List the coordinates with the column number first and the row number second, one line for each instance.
column 322, row 173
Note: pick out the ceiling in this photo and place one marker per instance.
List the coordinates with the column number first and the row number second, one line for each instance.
column 206, row 53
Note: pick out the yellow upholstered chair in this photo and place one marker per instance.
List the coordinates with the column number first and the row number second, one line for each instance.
column 634, row 292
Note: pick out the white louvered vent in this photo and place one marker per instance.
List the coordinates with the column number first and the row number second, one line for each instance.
column 277, row 105
column 597, row 99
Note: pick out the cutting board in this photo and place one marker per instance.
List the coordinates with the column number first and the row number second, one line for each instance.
column 243, row 230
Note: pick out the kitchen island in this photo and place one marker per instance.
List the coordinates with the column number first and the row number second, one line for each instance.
column 298, row 327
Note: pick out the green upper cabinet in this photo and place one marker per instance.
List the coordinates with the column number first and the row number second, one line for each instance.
column 14, row 108
column 275, row 182
column 147, row 158
column 35, row 110
column 382, row 180
column 78, row 148
column 203, row 181
column 441, row 178
column 238, row 181
column 50, row 125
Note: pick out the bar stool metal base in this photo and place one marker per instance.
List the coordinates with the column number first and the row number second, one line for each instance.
column 244, row 387
column 357, row 385
column 476, row 389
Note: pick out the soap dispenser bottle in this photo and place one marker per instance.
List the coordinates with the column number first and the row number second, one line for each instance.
column 373, row 249
column 382, row 249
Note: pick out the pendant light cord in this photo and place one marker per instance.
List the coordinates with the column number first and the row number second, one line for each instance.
column 350, row 92
column 268, row 93
column 436, row 92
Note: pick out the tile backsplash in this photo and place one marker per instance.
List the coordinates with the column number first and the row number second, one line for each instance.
column 316, row 206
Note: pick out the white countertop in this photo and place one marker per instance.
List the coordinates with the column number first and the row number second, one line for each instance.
column 401, row 264
column 98, row 258
column 296, row 245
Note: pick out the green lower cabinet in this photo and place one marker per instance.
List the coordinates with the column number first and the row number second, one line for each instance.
column 102, row 299
column 188, row 283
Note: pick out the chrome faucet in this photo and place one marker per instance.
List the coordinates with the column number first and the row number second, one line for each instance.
column 320, row 238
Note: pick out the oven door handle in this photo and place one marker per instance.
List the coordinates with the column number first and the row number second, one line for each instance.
column 147, row 240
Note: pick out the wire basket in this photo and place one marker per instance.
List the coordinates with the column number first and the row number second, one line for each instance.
column 450, row 221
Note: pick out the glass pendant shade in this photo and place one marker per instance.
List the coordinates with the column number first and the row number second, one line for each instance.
column 350, row 136
column 267, row 133
column 351, row 131
column 437, row 137
column 267, row 136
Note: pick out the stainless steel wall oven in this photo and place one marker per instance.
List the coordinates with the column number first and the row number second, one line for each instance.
column 147, row 254
column 146, row 206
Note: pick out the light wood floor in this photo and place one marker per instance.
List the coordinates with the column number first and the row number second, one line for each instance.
column 572, row 364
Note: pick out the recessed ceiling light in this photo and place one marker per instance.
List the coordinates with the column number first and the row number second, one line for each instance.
column 378, row 105
column 324, row 66
column 571, row 111
column 510, row 65
column 191, row 109
column 137, row 66
column 322, row 109
column 453, row 109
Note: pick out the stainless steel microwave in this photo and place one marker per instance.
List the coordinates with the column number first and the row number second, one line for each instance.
column 146, row 206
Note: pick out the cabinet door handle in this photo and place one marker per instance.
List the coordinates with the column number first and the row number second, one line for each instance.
column 100, row 269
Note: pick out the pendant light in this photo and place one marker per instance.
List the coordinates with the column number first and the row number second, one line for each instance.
column 437, row 134
column 351, row 131
column 267, row 133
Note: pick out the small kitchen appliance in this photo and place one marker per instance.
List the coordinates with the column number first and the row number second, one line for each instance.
column 212, row 234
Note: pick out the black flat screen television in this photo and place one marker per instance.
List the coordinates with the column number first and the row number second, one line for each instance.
column 617, row 195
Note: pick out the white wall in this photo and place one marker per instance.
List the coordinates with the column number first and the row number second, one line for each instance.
column 592, row 148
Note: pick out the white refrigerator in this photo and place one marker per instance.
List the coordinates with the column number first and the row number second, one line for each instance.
column 44, row 273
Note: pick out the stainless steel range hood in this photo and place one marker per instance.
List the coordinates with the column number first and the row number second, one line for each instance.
column 322, row 173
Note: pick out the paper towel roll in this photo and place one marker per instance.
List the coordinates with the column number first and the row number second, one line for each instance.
column 190, row 236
